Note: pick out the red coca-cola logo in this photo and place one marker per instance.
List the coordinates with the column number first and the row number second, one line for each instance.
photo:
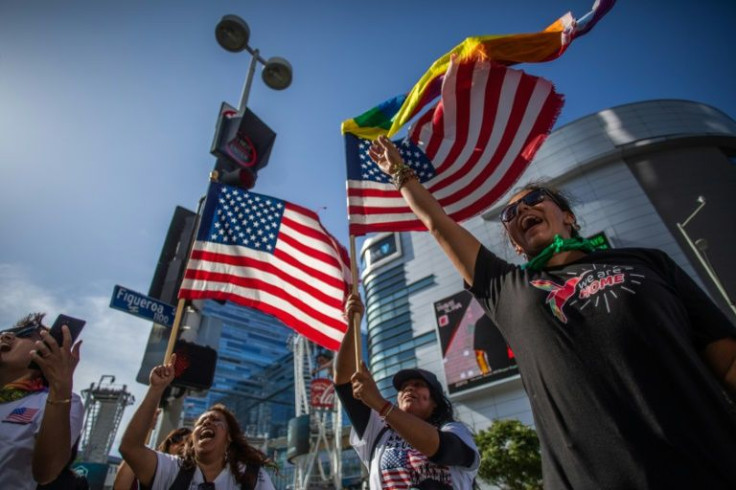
column 322, row 393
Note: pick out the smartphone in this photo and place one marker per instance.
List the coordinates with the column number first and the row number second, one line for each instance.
column 75, row 327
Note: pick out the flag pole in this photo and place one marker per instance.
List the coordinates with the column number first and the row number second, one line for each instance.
column 182, row 302
column 355, row 320
column 174, row 330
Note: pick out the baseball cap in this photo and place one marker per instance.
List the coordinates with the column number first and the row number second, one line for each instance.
column 406, row 374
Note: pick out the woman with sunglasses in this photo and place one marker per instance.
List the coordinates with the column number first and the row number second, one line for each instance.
column 216, row 455
column 627, row 363
column 40, row 417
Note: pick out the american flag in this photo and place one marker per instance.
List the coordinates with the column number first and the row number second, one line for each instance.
column 21, row 415
column 271, row 255
column 468, row 150
column 404, row 467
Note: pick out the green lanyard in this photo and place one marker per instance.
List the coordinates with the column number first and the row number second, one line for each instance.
column 558, row 245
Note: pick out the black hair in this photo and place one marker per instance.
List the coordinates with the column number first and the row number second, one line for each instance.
column 443, row 412
column 30, row 320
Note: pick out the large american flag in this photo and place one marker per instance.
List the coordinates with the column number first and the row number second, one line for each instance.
column 468, row 150
column 272, row 255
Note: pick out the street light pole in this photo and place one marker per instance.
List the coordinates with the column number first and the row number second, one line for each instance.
column 703, row 260
column 233, row 34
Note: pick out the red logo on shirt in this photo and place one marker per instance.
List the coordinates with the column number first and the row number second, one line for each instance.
column 558, row 294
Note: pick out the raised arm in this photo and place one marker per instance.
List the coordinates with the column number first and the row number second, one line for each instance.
column 52, row 449
column 345, row 361
column 458, row 244
column 422, row 435
column 141, row 459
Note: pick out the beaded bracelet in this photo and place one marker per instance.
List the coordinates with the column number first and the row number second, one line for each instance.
column 402, row 176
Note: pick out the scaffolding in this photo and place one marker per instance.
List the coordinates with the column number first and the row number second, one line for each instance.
column 104, row 404
column 324, row 424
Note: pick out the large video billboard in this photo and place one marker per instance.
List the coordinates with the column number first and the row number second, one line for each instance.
column 473, row 350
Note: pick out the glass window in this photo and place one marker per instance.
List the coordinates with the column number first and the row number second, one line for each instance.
column 382, row 248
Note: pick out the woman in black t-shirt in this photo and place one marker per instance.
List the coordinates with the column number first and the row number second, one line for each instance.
column 625, row 360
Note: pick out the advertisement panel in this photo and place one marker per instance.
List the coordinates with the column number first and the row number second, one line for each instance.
column 473, row 350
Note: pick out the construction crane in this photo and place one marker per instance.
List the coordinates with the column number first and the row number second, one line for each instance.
column 104, row 404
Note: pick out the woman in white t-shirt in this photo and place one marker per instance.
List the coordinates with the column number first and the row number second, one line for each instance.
column 40, row 417
column 413, row 444
column 216, row 455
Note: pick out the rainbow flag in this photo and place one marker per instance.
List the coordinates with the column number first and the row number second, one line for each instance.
column 390, row 116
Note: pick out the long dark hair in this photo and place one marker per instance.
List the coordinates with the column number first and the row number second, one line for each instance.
column 239, row 451
column 443, row 413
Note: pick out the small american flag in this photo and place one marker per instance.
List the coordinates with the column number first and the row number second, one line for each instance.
column 21, row 415
column 271, row 255
column 468, row 150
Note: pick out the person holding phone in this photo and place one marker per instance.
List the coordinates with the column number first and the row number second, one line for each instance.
column 40, row 416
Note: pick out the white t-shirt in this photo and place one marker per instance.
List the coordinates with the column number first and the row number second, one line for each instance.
column 168, row 468
column 20, row 421
column 396, row 464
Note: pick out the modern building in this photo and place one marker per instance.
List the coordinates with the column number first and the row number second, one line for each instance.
column 635, row 172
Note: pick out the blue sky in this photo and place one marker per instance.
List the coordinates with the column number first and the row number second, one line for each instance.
column 107, row 112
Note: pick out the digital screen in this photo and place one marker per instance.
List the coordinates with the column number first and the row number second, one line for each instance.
column 473, row 350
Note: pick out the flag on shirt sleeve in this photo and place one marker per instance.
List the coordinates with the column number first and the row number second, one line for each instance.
column 271, row 255
column 467, row 151
column 21, row 415
column 388, row 118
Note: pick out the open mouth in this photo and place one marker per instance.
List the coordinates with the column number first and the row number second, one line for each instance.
column 528, row 222
column 4, row 347
column 206, row 434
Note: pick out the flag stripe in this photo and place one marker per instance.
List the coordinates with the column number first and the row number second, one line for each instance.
column 273, row 256
column 264, row 284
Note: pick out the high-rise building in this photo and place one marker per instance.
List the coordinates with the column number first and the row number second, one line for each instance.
column 634, row 171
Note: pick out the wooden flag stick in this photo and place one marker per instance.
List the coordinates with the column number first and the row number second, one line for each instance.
column 180, row 305
column 174, row 330
column 356, row 317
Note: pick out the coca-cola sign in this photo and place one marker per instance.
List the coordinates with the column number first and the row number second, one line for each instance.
column 322, row 393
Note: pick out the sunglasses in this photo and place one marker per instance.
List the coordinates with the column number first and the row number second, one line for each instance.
column 532, row 199
column 25, row 332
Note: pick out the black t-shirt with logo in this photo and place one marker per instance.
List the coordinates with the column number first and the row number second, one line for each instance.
column 608, row 348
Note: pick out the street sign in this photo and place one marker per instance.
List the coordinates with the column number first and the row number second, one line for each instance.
column 142, row 306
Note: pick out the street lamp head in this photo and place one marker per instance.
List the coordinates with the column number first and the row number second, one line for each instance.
column 232, row 33
column 700, row 200
column 277, row 73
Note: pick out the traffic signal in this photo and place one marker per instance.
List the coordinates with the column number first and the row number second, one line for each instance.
column 195, row 365
column 242, row 145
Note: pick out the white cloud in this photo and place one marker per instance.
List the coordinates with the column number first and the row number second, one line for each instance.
column 113, row 342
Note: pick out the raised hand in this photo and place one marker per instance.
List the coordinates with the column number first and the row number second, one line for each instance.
column 365, row 389
column 386, row 155
column 162, row 375
column 57, row 363
column 353, row 305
